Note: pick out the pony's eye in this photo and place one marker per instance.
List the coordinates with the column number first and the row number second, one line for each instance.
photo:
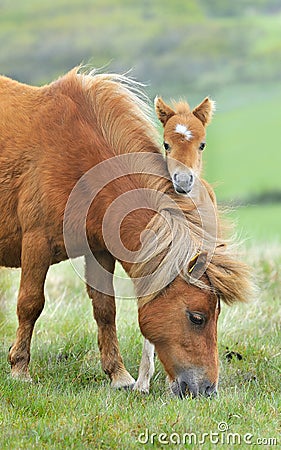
column 167, row 146
column 196, row 318
column 202, row 146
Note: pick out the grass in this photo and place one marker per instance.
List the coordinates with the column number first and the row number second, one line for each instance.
column 71, row 405
column 241, row 154
column 258, row 223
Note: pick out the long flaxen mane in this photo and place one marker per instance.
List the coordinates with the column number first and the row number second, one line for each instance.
column 125, row 119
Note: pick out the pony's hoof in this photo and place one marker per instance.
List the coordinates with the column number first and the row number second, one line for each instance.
column 123, row 381
column 141, row 389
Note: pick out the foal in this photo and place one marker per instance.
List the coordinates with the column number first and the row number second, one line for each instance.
column 184, row 142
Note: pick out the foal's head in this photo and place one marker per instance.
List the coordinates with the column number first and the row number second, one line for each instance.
column 182, row 324
column 184, row 140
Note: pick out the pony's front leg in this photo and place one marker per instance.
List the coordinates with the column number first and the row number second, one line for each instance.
column 35, row 263
column 99, row 277
column 146, row 369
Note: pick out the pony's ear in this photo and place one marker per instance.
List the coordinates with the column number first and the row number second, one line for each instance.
column 163, row 111
column 204, row 112
column 197, row 264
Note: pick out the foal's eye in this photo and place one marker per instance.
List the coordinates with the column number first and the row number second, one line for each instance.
column 202, row 146
column 196, row 318
column 167, row 146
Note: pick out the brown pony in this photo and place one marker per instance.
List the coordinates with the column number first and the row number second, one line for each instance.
column 74, row 182
column 184, row 142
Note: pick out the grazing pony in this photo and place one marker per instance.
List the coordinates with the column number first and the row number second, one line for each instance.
column 184, row 142
column 74, row 158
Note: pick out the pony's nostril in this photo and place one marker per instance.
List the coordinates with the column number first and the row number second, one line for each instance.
column 175, row 176
column 210, row 390
column 191, row 177
column 182, row 389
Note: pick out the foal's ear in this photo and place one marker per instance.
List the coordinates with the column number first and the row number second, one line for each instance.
column 163, row 111
column 204, row 112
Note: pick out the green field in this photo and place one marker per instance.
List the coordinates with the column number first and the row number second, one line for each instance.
column 258, row 224
column 242, row 155
column 174, row 45
column 71, row 405
column 242, row 160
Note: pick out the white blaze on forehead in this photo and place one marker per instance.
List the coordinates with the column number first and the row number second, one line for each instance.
column 182, row 129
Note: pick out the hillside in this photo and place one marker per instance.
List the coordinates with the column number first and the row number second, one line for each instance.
column 228, row 50
column 173, row 45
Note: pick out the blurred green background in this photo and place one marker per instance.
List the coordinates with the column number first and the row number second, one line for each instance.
column 230, row 50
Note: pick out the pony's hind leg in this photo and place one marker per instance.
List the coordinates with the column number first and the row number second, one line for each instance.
column 35, row 263
column 146, row 369
column 99, row 277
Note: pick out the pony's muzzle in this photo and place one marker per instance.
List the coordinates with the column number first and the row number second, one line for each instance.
column 187, row 384
column 183, row 182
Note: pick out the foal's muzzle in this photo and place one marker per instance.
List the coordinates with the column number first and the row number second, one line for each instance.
column 183, row 182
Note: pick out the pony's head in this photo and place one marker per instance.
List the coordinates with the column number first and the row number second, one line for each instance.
column 182, row 324
column 184, row 140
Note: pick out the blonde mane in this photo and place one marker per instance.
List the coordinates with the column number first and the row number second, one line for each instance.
column 179, row 238
column 125, row 118
column 122, row 112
